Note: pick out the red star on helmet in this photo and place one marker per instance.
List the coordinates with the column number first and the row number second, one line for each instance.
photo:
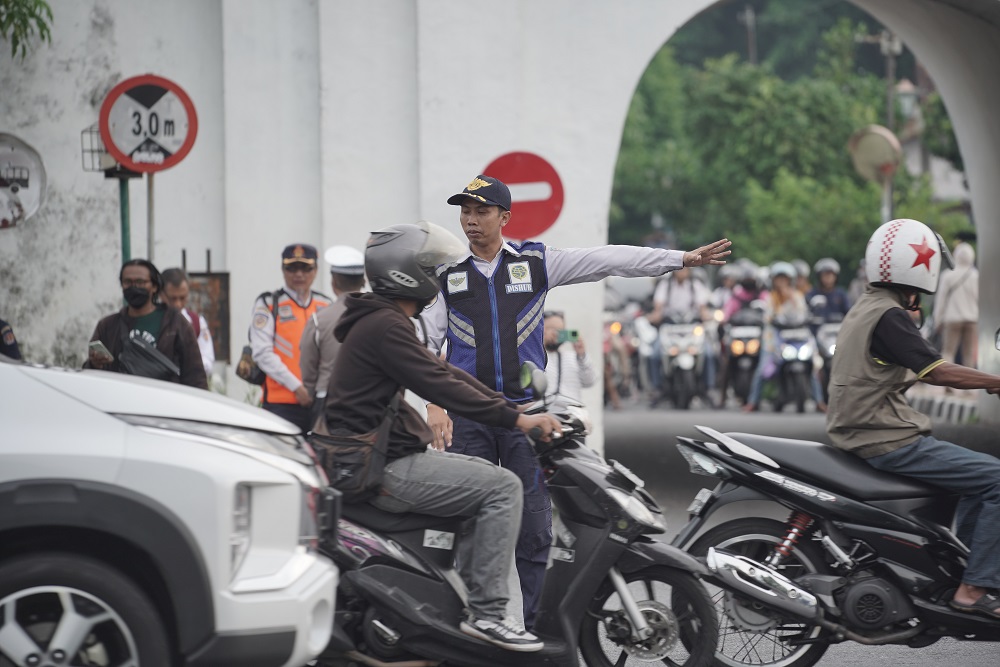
column 924, row 254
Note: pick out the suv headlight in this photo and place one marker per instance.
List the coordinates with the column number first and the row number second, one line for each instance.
column 239, row 538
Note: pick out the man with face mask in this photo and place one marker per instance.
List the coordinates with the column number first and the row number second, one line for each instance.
column 146, row 318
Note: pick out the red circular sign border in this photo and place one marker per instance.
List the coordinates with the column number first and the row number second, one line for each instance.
column 531, row 233
column 118, row 91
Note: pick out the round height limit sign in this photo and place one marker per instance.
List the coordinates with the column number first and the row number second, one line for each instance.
column 148, row 123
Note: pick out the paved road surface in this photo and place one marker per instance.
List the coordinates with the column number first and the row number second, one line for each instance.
column 645, row 441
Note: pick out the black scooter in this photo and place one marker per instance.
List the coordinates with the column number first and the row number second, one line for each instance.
column 611, row 591
column 872, row 550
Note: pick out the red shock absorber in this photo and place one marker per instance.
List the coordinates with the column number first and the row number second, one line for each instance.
column 797, row 524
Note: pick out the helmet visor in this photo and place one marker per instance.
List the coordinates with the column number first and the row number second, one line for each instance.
column 946, row 257
column 441, row 247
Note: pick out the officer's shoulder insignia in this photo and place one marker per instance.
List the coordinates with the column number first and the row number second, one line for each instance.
column 259, row 321
column 8, row 336
column 476, row 184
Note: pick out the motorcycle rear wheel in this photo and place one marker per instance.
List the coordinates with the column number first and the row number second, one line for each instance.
column 674, row 603
column 747, row 637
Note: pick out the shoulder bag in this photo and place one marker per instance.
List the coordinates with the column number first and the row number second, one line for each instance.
column 354, row 463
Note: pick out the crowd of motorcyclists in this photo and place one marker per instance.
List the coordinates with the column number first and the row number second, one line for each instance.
column 747, row 335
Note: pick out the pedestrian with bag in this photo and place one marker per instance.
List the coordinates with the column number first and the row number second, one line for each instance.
column 956, row 308
column 146, row 337
column 276, row 326
column 380, row 355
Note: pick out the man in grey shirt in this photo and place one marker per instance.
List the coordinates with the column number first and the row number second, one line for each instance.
column 318, row 346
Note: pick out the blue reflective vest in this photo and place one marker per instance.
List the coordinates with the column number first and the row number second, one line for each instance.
column 495, row 324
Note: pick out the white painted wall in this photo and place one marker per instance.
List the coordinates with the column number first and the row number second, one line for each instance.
column 320, row 121
column 59, row 271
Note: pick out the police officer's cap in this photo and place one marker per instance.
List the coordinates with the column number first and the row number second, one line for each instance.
column 345, row 260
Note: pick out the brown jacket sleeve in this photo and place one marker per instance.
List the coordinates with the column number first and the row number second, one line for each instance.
column 415, row 367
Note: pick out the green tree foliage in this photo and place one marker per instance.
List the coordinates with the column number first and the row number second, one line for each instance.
column 732, row 149
column 20, row 20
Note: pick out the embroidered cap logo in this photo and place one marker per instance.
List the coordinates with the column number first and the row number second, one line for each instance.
column 476, row 184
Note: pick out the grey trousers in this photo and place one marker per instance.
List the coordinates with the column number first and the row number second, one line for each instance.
column 453, row 485
column 975, row 476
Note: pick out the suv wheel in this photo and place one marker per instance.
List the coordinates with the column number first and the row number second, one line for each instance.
column 61, row 609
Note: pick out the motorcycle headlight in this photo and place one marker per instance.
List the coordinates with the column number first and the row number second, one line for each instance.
column 637, row 509
column 788, row 353
column 616, row 328
column 831, row 349
column 699, row 331
column 738, row 347
column 753, row 346
column 805, row 353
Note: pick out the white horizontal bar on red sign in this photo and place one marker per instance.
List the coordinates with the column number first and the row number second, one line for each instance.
column 524, row 192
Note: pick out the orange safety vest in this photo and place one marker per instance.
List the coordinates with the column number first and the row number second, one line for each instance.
column 289, row 322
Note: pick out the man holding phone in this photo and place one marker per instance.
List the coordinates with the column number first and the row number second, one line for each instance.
column 569, row 369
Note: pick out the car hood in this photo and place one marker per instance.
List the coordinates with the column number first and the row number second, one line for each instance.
column 114, row 393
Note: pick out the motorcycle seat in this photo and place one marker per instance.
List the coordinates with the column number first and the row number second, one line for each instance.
column 381, row 521
column 837, row 470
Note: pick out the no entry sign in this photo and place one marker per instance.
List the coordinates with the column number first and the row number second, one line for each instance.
column 536, row 193
column 148, row 123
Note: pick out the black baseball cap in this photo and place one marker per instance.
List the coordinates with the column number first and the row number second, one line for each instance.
column 485, row 189
column 299, row 253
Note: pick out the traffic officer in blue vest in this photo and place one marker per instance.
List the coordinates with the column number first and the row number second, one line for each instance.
column 491, row 317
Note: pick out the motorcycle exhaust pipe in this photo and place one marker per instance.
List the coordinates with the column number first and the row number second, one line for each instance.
column 750, row 578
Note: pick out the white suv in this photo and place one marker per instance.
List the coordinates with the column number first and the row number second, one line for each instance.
column 148, row 524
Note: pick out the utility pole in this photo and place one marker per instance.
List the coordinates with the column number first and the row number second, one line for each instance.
column 749, row 18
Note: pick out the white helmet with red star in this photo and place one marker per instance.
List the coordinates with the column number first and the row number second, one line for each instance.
column 906, row 253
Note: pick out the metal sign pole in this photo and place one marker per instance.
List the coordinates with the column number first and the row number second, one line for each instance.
column 149, row 216
column 124, row 205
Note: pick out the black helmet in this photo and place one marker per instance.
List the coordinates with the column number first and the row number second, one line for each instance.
column 401, row 261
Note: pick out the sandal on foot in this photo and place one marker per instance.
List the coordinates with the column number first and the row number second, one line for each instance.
column 988, row 604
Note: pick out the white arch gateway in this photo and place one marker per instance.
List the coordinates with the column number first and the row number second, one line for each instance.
column 320, row 121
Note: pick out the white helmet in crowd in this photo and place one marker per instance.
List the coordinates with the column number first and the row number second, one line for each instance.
column 783, row 269
column 801, row 267
column 906, row 253
column 827, row 264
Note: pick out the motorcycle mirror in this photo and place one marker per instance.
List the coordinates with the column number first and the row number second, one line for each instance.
column 996, row 340
column 534, row 378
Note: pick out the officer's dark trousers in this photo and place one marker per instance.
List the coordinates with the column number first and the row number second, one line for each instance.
column 293, row 412
column 510, row 448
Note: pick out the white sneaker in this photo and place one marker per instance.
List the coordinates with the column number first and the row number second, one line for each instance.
column 503, row 634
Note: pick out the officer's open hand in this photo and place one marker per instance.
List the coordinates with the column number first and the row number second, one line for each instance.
column 713, row 253
column 547, row 425
column 441, row 426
